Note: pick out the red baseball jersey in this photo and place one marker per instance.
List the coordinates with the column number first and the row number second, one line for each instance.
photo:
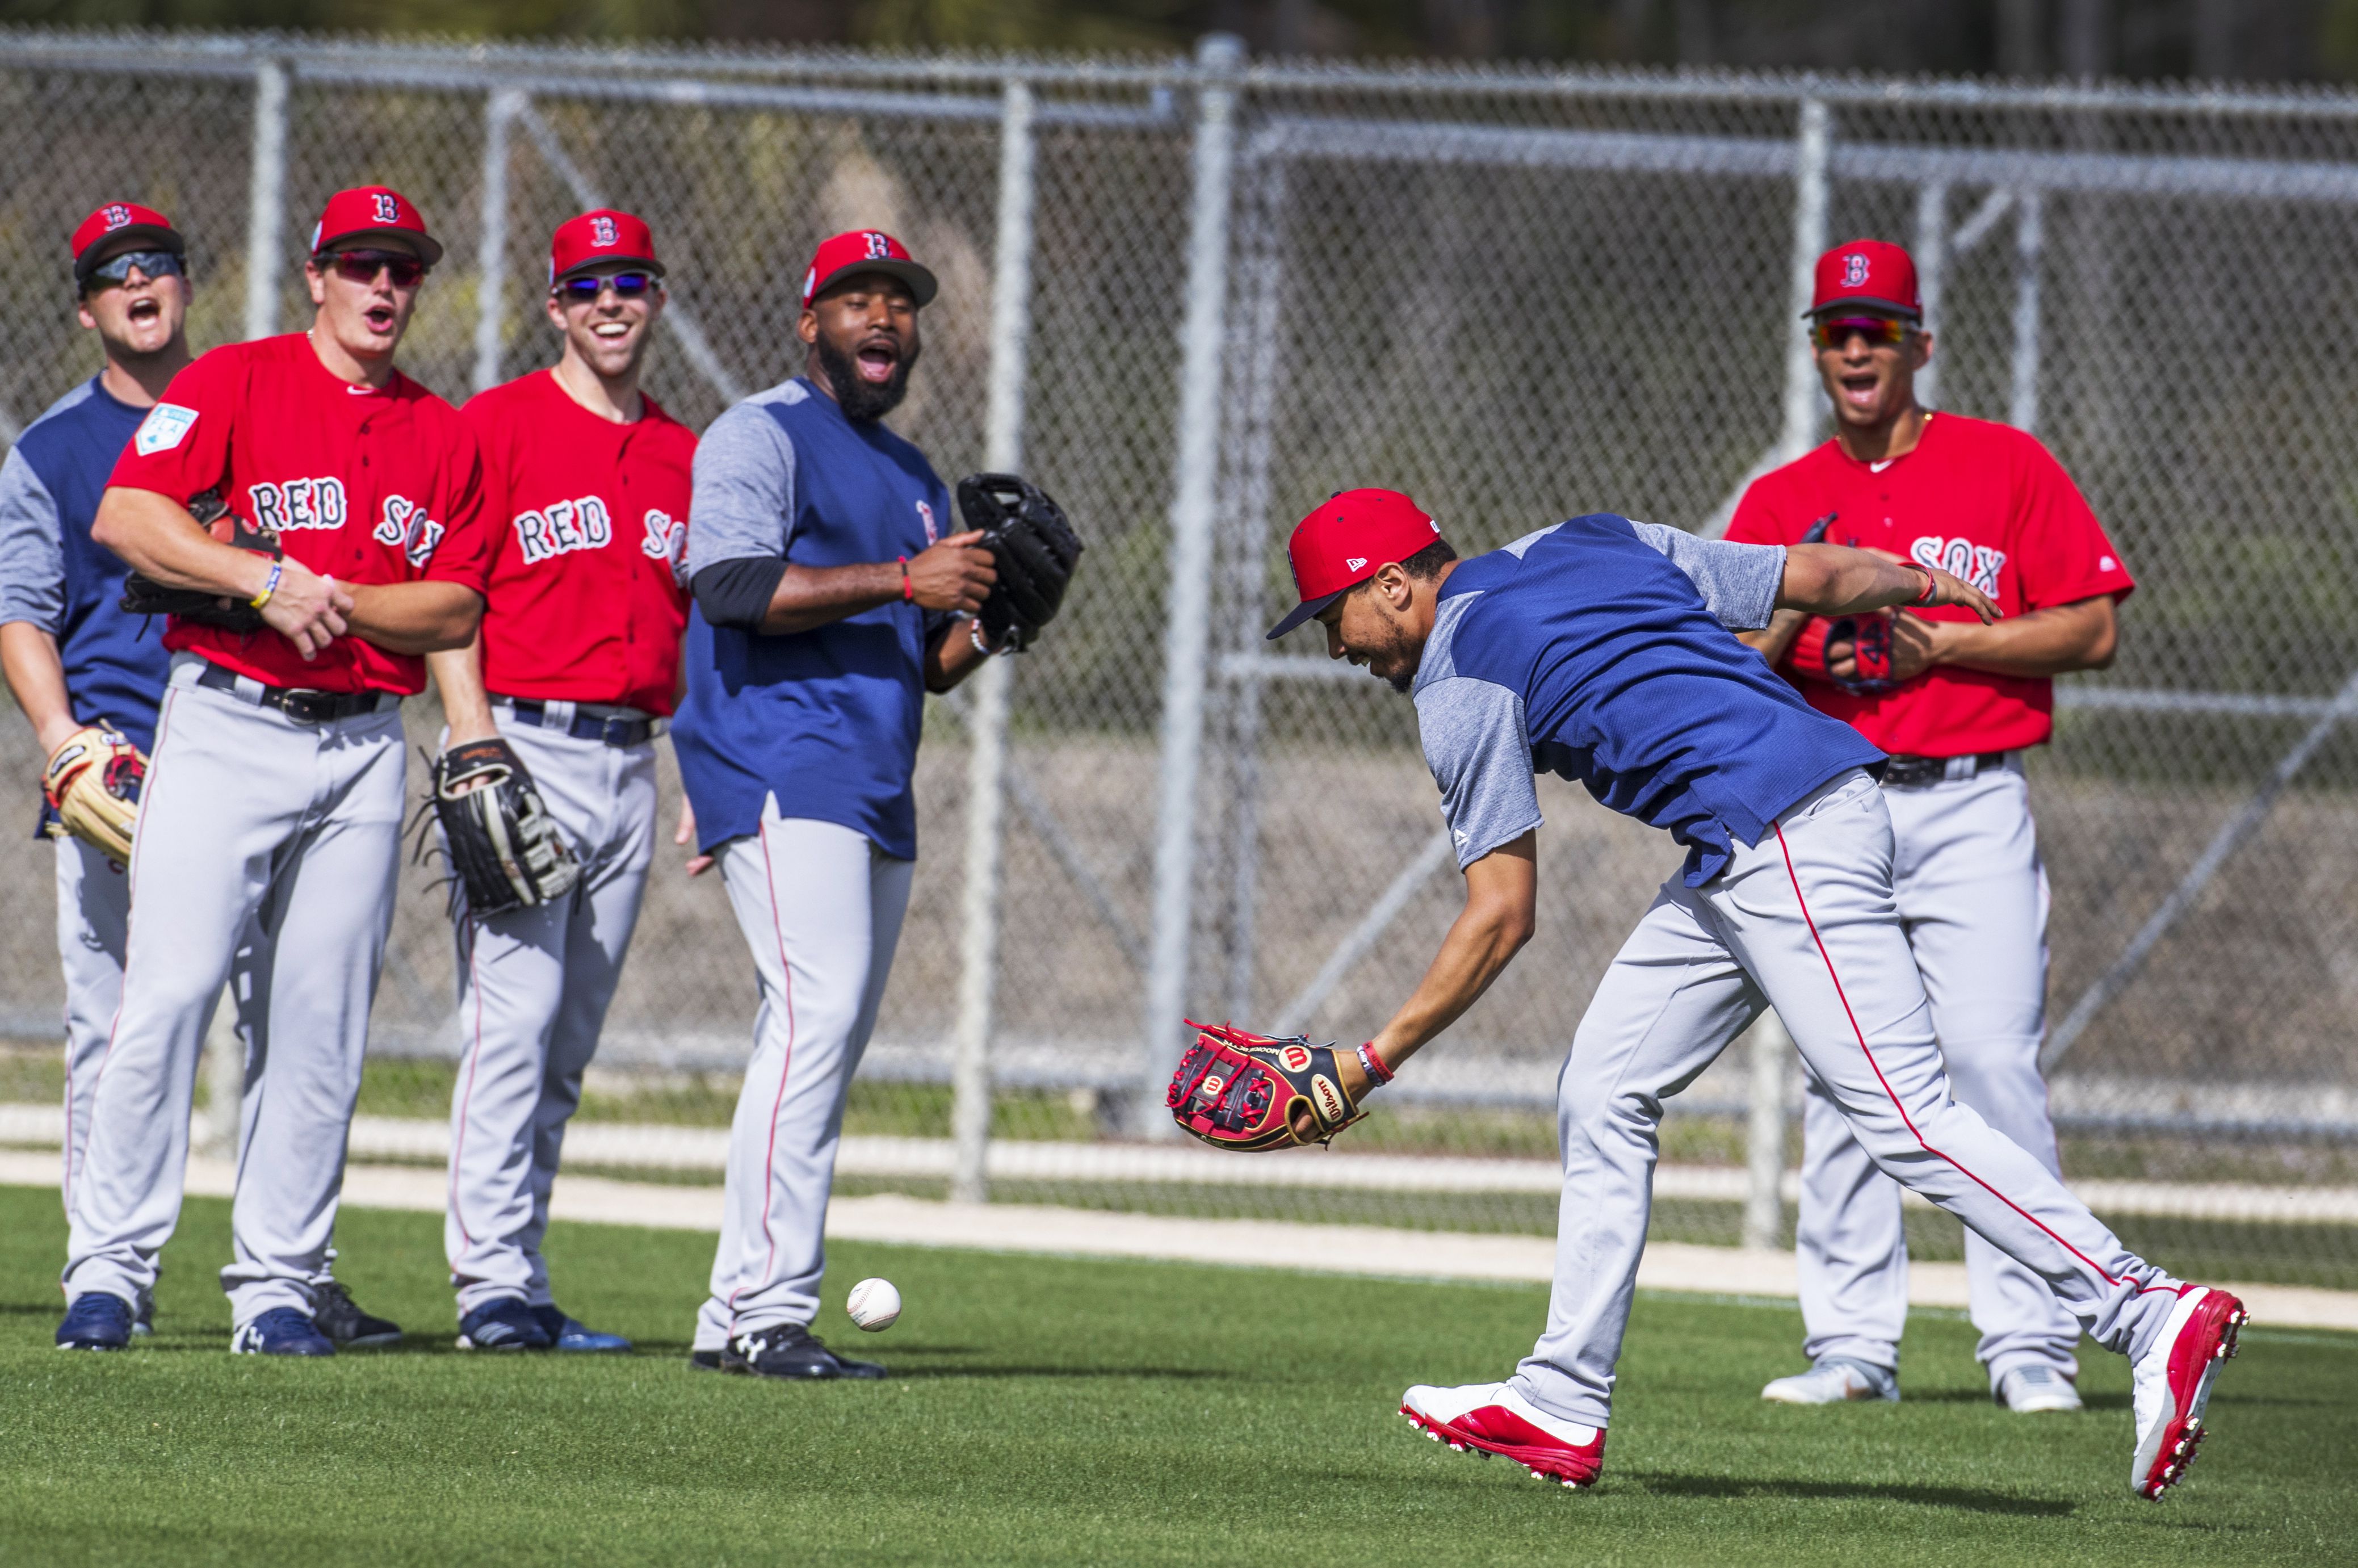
column 1983, row 502
column 363, row 484
column 588, row 522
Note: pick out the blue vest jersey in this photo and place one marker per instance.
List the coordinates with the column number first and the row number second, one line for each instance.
column 826, row 719
column 55, row 575
column 1599, row 650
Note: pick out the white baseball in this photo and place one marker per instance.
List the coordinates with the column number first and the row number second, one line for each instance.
column 873, row 1304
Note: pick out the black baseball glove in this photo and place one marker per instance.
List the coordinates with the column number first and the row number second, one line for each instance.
column 505, row 851
column 1034, row 548
column 145, row 596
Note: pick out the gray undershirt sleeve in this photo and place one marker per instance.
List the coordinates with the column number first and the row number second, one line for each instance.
column 744, row 500
column 32, row 556
column 1480, row 755
column 1739, row 583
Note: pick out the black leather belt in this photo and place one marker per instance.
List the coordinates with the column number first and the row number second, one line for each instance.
column 301, row 704
column 1916, row 773
column 614, row 730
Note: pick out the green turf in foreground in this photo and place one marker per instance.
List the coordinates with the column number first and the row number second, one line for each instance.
column 1053, row 1409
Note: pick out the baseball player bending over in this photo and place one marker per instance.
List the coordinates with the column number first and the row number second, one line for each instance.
column 824, row 597
column 272, row 814
column 1954, row 702
column 1597, row 649
column 585, row 502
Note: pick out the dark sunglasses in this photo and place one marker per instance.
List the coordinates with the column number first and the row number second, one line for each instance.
column 585, row 290
column 405, row 271
column 1880, row 331
column 155, row 264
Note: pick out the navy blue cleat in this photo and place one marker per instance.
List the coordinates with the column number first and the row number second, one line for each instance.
column 502, row 1323
column 281, row 1331
column 95, row 1321
column 790, row 1352
column 567, row 1334
column 342, row 1321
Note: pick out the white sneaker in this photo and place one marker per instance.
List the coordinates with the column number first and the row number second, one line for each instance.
column 2173, row 1384
column 1831, row 1382
column 1492, row 1418
column 2037, row 1390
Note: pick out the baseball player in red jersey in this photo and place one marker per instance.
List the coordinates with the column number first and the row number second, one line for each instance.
column 1955, row 703
column 585, row 507
column 275, row 795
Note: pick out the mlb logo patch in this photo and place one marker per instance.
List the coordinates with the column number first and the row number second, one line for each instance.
column 166, row 427
column 926, row 515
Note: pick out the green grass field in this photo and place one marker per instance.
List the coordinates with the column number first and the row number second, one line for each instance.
column 1049, row 1410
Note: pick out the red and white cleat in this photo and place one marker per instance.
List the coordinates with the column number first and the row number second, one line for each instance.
column 2173, row 1384
column 1491, row 1418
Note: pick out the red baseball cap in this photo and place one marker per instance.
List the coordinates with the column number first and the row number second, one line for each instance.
column 1873, row 275
column 1347, row 540
column 373, row 212
column 118, row 221
column 604, row 235
column 865, row 250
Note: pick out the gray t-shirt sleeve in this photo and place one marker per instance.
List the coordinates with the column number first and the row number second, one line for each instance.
column 1480, row 755
column 744, row 498
column 1739, row 583
column 32, row 554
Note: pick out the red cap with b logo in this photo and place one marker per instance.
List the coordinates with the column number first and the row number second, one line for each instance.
column 1350, row 538
column 1867, row 275
column 121, row 220
column 865, row 250
column 373, row 212
column 604, row 235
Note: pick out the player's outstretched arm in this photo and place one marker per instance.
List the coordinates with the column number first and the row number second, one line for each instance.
column 37, row 678
column 459, row 679
column 415, row 617
column 1835, row 579
column 954, row 575
column 1501, row 911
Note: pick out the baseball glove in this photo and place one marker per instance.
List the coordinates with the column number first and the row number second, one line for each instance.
column 1034, row 548
column 505, row 851
column 92, row 783
column 1235, row 1090
column 144, row 595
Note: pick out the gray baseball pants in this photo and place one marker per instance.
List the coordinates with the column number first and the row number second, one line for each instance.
column 821, row 909
column 1803, row 920
column 1972, row 895
column 534, row 986
column 264, row 844
column 93, row 910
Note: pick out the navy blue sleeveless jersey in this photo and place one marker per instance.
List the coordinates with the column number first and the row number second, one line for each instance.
column 1599, row 650
column 54, row 574
column 826, row 719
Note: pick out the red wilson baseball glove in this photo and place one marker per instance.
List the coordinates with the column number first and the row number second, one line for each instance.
column 1237, row 1090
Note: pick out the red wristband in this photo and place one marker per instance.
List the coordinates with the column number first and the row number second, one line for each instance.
column 908, row 588
column 1373, row 1065
column 1932, row 586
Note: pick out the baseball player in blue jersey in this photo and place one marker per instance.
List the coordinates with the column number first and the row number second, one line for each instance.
column 1600, row 650
column 825, row 605
column 88, row 675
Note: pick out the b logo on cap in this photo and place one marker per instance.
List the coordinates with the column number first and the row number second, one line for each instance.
column 601, row 232
column 880, row 246
column 1854, row 270
column 118, row 216
column 386, row 209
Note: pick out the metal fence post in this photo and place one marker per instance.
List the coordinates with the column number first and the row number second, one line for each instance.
column 1803, row 396
column 1771, row 1049
column 2030, row 241
column 1187, row 616
column 1010, row 328
column 500, row 110
column 1932, row 270
column 266, row 205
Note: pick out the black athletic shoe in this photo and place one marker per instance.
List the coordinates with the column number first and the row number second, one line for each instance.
column 341, row 1320
column 704, row 1361
column 788, row 1350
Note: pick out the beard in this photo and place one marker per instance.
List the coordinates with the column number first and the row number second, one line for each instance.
column 864, row 401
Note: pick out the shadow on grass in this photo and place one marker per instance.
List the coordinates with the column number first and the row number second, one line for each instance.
column 1967, row 1497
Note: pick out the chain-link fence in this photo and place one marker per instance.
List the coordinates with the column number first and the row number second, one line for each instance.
column 1193, row 296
